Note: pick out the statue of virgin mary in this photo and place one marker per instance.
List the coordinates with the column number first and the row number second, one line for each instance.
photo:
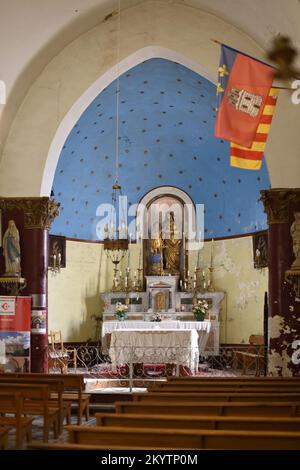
column 11, row 250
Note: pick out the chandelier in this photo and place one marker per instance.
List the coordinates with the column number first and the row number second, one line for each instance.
column 116, row 236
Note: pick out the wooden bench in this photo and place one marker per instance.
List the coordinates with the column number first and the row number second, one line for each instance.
column 74, row 387
column 13, row 403
column 36, row 445
column 167, row 397
column 194, row 408
column 198, row 422
column 56, row 387
column 3, row 438
column 235, row 379
column 36, row 402
column 220, row 388
column 185, row 438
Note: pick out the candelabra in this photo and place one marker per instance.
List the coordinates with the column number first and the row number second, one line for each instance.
column 195, row 283
column 55, row 263
column 127, row 283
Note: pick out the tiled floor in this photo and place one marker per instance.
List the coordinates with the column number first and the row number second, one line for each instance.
column 37, row 432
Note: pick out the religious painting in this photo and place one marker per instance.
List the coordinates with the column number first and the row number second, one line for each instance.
column 260, row 250
column 57, row 251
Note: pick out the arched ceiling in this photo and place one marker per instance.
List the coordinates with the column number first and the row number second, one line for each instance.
column 36, row 31
column 165, row 132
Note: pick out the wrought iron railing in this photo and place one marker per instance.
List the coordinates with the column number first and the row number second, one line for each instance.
column 128, row 366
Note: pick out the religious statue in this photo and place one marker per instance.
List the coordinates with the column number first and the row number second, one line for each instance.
column 172, row 249
column 295, row 233
column 11, row 250
column 166, row 252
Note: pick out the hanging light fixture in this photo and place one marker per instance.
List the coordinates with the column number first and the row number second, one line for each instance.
column 116, row 235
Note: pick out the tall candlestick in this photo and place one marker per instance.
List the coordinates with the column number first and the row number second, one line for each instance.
column 211, row 252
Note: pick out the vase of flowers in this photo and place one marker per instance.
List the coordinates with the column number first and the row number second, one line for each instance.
column 121, row 311
column 200, row 309
column 156, row 317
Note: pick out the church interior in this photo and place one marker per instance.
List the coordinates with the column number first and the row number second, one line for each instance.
column 149, row 225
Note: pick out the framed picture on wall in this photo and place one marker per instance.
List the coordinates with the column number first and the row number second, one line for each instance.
column 57, row 251
column 260, row 249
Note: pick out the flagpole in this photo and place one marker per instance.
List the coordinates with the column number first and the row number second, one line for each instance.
column 258, row 60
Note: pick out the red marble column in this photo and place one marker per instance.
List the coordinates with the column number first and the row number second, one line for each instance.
column 284, row 308
column 33, row 217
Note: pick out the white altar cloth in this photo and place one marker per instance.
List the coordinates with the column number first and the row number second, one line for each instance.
column 155, row 346
column 203, row 328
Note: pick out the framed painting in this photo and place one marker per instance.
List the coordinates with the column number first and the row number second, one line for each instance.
column 260, row 250
column 57, row 251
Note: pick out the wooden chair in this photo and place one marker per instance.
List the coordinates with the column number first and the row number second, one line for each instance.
column 59, row 356
column 253, row 358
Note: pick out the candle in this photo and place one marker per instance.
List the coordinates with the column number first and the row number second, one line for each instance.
column 211, row 252
column 140, row 259
column 180, row 282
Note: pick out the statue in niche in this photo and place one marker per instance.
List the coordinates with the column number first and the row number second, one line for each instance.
column 165, row 252
column 11, row 250
column 172, row 249
column 295, row 233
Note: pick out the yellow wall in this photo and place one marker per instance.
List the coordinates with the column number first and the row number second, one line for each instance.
column 74, row 292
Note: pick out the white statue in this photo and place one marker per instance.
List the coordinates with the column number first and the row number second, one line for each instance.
column 11, row 250
column 295, row 233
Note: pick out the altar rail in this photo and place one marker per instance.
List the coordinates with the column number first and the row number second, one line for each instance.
column 92, row 363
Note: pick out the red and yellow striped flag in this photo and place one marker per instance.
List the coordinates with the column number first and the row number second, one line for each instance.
column 251, row 158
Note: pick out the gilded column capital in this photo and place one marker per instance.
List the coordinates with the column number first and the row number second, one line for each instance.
column 39, row 212
column 277, row 203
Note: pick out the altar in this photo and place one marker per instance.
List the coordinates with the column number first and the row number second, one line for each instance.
column 163, row 295
column 178, row 347
column 202, row 329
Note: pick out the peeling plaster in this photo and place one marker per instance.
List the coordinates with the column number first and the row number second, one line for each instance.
column 276, row 325
column 278, row 364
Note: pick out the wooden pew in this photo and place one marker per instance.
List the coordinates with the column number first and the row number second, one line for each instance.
column 74, row 387
column 236, row 380
column 3, row 438
column 13, row 403
column 167, row 397
column 198, row 422
column 55, row 386
column 36, row 445
column 194, row 408
column 191, row 439
column 227, row 388
column 36, row 402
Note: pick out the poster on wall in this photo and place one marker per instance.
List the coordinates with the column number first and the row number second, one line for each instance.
column 15, row 334
column 38, row 322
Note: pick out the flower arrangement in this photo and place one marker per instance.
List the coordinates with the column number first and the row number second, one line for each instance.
column 199, row 309
column 121, row 311
column 156, row 317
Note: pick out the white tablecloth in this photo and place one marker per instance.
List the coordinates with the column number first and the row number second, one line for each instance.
column 154, row 346
column 203, row 328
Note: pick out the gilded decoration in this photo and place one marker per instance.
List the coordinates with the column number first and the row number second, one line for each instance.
column 277, row 204
column 39, row 212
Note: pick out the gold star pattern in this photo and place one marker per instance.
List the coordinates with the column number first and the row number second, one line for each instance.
column 223, row 71
column 220, row 89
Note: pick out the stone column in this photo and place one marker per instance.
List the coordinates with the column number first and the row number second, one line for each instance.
column 33, row 217
column 284, row 306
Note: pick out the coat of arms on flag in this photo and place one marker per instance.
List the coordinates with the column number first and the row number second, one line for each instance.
column 246, row 104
